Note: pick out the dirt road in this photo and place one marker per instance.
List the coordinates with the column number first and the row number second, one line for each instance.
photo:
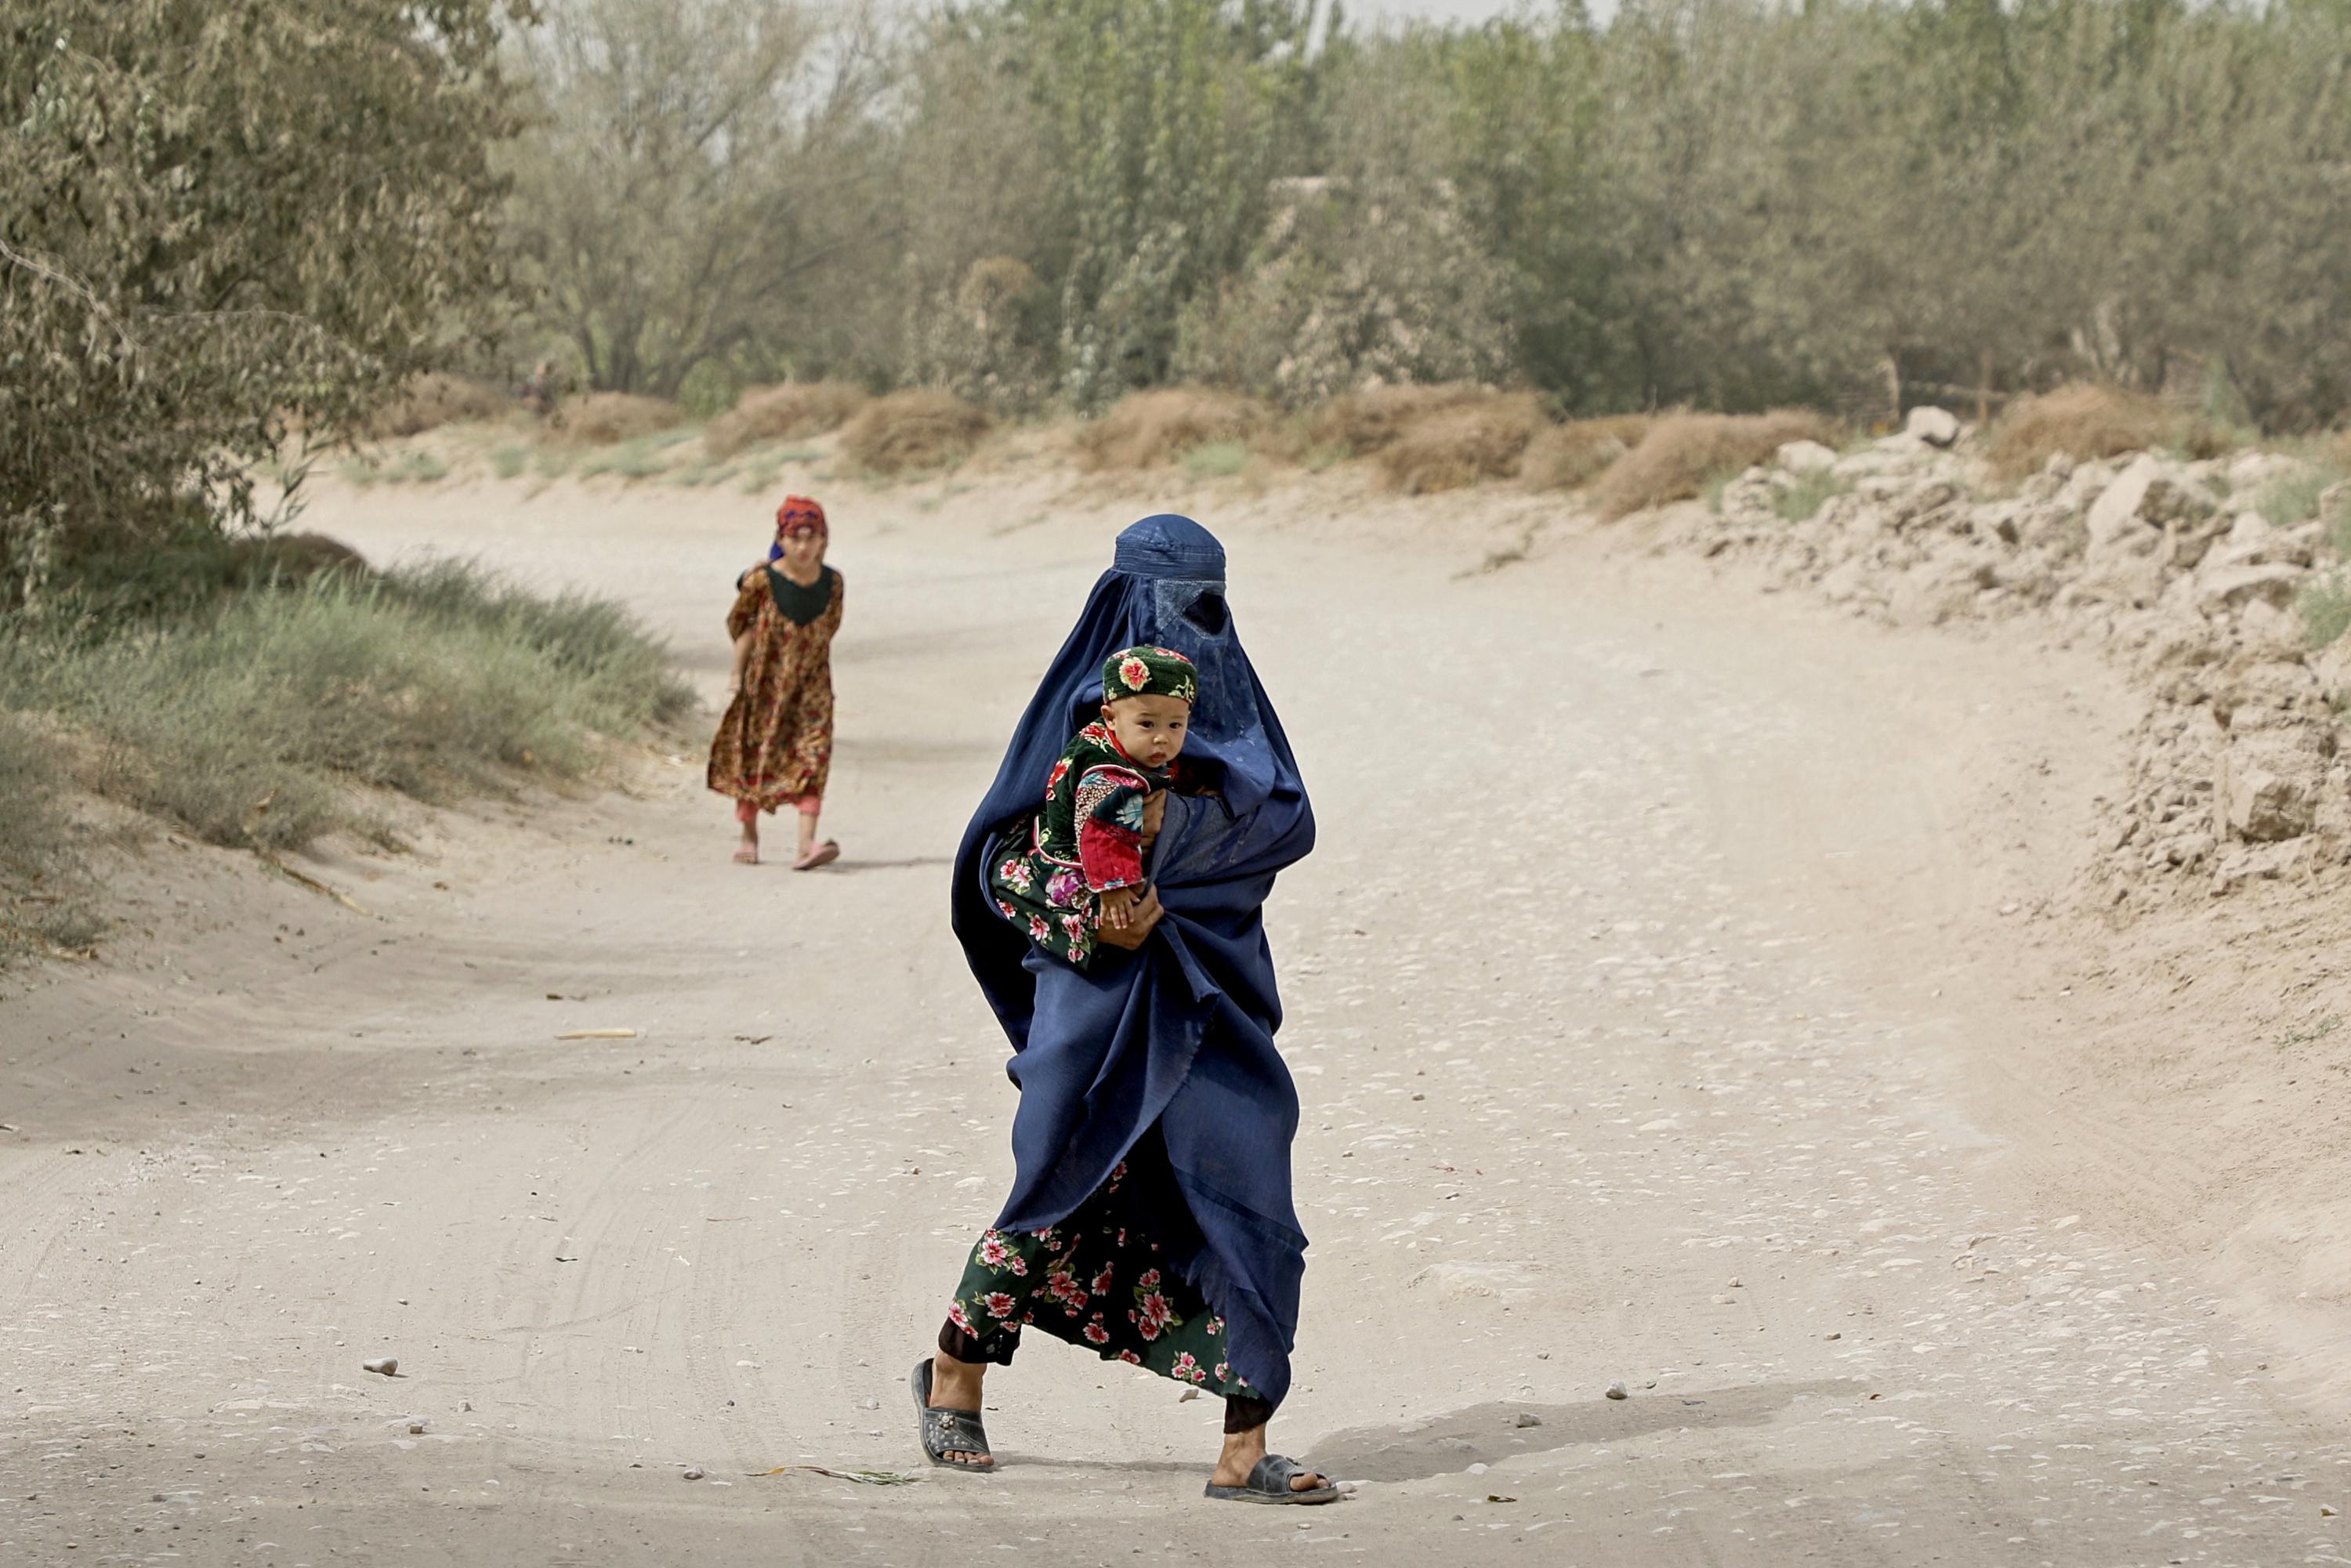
column 1642, row 996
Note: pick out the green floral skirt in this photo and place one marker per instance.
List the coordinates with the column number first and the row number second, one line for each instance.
column 1098, row 1280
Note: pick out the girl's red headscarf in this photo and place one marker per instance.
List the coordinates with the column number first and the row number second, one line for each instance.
column 798, row 515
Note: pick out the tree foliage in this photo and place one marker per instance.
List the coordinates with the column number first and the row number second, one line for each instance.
column 219, row 217
column 1165, row 122
column 695, row 167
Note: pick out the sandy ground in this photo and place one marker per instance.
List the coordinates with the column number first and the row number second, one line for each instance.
column 1667, row 1001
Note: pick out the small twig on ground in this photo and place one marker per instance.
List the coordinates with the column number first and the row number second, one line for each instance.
column 313, row 883
column 862, row 1477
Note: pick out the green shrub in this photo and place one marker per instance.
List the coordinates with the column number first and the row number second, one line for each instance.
column 416, row 468
column 1802, row 500
column 2291, row 499
column 1216, row 460
column 639, row 458
column 2326, row 608
column 510, row 461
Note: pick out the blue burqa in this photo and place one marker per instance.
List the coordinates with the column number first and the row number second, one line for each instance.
column 1166, row 1053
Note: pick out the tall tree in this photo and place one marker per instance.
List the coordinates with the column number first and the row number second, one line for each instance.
column 1169, row 120
column 217, row 217
column 695, row 164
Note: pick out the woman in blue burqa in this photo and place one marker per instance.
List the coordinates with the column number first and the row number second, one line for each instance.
column 1150, row 1219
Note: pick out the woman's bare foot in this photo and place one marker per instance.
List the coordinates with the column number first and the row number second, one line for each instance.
column 747, row 852
column 954, row 1386
column 1242, row 1451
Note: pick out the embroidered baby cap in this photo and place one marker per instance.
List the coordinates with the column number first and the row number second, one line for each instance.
column 1149, row 672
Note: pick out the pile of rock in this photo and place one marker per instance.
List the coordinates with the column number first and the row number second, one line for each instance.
column 2169, row 565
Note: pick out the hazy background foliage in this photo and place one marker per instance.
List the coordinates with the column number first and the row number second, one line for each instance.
column 225, row 221
column 1725, row 203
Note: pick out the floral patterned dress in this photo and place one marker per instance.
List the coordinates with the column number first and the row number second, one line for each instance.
column 774, row 748
column 1086, row 840
column 1097, row 1280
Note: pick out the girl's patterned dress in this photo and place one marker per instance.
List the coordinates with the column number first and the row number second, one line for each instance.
column 1087, row 840
column 1096, row 1279
column 774, row 748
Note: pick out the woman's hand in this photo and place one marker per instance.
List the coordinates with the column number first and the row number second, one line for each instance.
column 1141, row 916
column 1144, row 913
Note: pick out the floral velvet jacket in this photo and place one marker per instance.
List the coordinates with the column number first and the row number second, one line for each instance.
column 1085, row 841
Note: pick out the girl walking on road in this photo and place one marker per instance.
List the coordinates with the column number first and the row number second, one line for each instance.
column 774, row 746
column 1150, row 1219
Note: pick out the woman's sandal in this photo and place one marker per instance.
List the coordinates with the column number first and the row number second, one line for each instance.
column 948, row 1432
column 1270, row 1482
column 824, row 853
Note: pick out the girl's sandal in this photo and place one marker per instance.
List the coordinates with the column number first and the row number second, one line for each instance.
column 747, row 855
column 948, row 1432
column 824, row 853
column 1269, row 1483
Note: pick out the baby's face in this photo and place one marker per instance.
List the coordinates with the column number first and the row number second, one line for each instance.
column 1149, row 729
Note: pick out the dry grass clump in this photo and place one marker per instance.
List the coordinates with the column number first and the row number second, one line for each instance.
column 429, row 401
column 1682, row 451
column 783, row 412
column 246, row 725
column 1150, row 429
column 1570, row 456
column 1446, row 448
column 43, row 898
column 908, row 431
column 607, row 419
column 1364, row 423
column 2085, row 420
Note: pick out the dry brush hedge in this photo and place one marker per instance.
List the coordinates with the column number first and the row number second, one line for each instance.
column 1570, row 456
column 1681, row 452
column 435, row 399
column 912, row 431
column 607, row 419
column 1448, row 447
column 785, row 413
column 1151, row 429
column 2084, row 422
column 1363, row 423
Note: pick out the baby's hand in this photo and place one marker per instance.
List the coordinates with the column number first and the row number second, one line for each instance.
column 1117, row 904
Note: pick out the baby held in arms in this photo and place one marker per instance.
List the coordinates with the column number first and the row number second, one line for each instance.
column 1083, row 867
